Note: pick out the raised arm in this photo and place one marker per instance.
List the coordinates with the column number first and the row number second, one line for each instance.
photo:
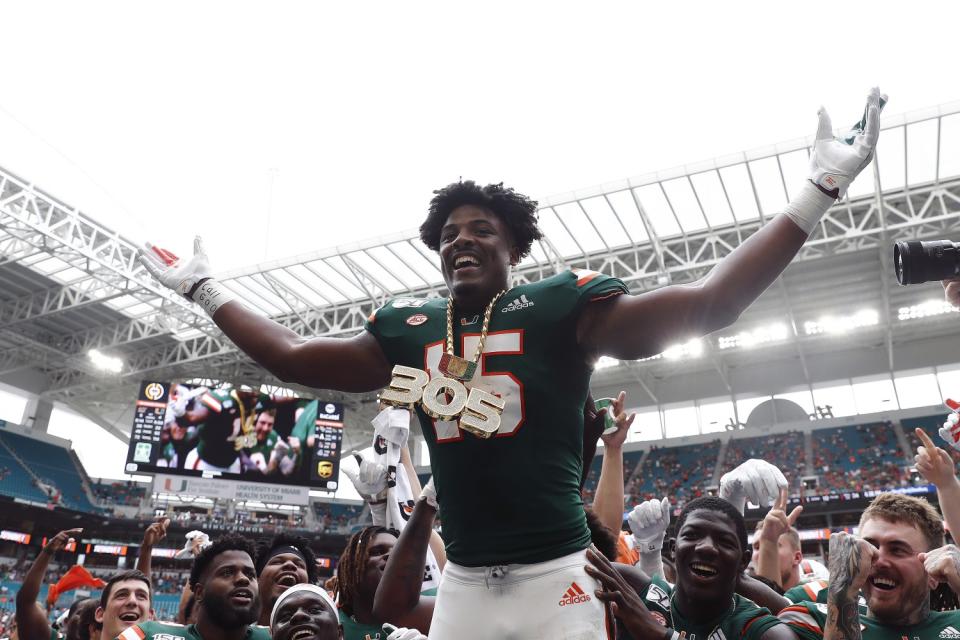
column 350, row 364
column 851, row 560
column 936, row 466
column 608, row 498
column 156, row 532
column 398, row 597
column 630, row 327
column 775, row 524
column 31, row 620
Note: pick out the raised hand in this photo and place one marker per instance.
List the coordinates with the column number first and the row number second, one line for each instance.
column 851, row 560
column 59, row 541
column 167, row 268
column 777, row 522
column 943, row 565
column 156, row 531
column 370, row 481
column 933, row 463
column 649, row 521
column 755, row 480
column 625, row 603
column 617, row 422
column 834, row 163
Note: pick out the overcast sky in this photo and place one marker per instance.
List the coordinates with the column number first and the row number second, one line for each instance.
column 273, row 128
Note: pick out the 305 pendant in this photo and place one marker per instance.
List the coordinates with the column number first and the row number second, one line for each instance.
column 456, row 367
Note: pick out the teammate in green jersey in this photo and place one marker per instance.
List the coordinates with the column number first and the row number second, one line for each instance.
column 359, row 570
column 227, row 598
column 897, row 559
column 282, row 562
column 304, row 612
column 543, row 340
column 257, row 457
column 125, row 602
column 711, row 552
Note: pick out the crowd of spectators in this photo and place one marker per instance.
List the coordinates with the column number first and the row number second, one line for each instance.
column 863, row 457
column 683, row 473
column 128, row 494
column 783, row 450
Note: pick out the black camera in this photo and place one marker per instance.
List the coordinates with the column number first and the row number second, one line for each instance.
column 918, row 262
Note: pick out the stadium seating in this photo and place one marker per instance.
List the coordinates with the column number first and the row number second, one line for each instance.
column 785, row 450
column 859, row 457
column 930, row 424
column 630, row 461
column 682, row 473
column 119, row 493
column 15, row 481
column 51, row 464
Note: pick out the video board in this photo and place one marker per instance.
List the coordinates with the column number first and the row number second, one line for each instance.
column 235, row 433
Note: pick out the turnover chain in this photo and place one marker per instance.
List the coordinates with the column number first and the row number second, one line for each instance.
column 445, row 399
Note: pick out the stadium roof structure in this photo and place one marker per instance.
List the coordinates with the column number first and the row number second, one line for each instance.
column 69, row 285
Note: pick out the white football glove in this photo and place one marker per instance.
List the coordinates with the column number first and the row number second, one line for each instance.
column 370, row 482
column 173, row 273
column 834, row 163
column 755, row 480
column 403, row 633
column 950, row 431
column 649, row 521
column 196, row 542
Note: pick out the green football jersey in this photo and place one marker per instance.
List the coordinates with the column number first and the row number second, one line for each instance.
column 814, row 591
column 743, row 620
column 213, row 447
column 353, row 630
column 515, row 497
column 808, row 619
column 260, row 453
column 172, row 631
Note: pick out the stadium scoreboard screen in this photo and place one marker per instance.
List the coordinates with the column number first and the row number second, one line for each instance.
column 235, row 434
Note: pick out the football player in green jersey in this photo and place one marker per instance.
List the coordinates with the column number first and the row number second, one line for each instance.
column 359, row 570
column 539, row 342
column 227, row 597
column 257, row 457
column 897, row 558
column 304, row 612
column 711, row 553
column 282, row 562
column 125, row 602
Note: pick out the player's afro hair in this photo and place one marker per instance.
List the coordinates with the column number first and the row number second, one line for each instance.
column 226, row 542
column 284, row 539
column 516, row 210
column 713, row 503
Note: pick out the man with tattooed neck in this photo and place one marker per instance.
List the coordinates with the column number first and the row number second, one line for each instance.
column 897, row 558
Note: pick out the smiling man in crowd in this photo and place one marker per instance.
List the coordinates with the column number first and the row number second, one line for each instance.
column 285, row 561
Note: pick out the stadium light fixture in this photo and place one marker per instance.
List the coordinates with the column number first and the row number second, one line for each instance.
column 761, row 335
column 690, row 349
column 605, row 362
column 102, row 361
column 925, row 309
column 842, row 324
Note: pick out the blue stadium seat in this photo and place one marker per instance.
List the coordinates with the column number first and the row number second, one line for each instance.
column 52, row 464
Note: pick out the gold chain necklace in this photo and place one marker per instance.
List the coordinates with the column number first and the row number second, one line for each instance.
column 453, row 366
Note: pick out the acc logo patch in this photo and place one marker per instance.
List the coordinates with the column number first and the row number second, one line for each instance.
column 409, row 303
column 658, row 596
column 416, row 320
column 324, row 469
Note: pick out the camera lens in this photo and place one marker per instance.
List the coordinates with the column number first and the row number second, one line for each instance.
column 916, row 262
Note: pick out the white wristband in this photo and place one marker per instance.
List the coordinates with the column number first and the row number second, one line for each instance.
column 808, row 207
column 211, row 295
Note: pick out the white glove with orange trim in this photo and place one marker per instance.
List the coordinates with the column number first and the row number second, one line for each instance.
column 191, row 279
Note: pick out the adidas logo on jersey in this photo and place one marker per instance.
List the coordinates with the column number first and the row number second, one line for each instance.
column 950, row 632
column 518, row 303
column 574, row 595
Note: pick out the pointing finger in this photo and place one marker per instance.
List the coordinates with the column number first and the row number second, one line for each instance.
column 824, row 126
column 925, row 439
